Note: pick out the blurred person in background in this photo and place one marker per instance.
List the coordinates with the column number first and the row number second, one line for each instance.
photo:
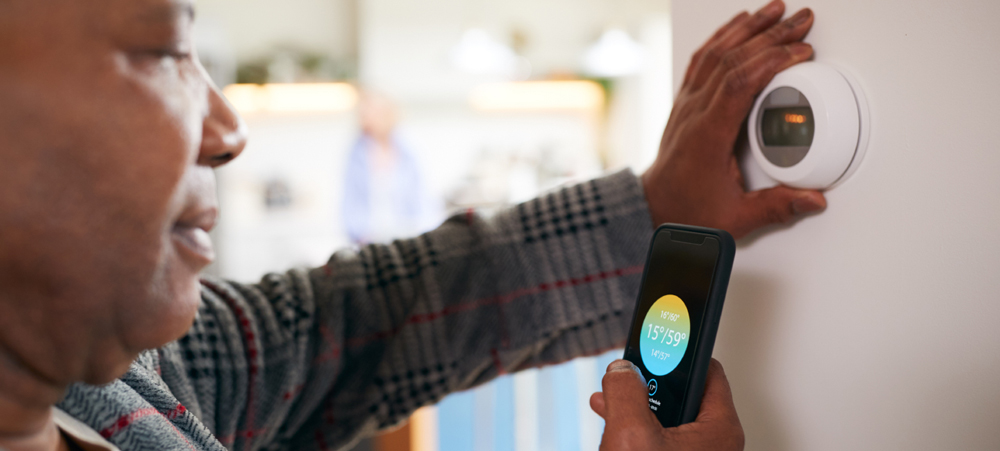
column 384, row 194
column 109, row 339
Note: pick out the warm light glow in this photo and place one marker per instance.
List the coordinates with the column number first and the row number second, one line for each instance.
column 424, row 429
column 538, row 95
column 292, row 97
column 795, row 118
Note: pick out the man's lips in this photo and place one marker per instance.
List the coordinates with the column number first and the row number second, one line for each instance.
column 191, row 233
column 195, row 241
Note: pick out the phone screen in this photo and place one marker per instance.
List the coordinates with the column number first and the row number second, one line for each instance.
column 669, row 319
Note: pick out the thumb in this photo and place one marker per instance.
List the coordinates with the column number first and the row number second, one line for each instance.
column 626, row 398
column 777, row 205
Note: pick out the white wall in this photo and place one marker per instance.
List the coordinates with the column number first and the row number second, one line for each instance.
column 254, row 28
column 874, row 324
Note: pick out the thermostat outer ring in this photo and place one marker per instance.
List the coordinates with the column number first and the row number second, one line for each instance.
column 837, row 117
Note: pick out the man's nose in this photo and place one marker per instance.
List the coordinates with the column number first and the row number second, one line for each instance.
column 224, row 134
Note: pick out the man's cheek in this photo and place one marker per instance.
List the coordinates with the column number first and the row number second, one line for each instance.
column 174, row 106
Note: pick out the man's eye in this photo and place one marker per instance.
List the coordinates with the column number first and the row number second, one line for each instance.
column 159, row 58
column 171, row 53
column 160, row 53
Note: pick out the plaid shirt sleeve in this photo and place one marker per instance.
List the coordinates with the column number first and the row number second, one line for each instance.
column 315, row 359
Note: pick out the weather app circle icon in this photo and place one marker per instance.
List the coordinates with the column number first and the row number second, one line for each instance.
column 665, row 335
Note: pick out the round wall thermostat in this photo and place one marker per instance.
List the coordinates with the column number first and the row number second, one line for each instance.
column 809, row 127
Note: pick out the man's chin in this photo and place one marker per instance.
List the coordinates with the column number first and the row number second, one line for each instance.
column 167, row 319
column 105, row 373
column 164, row 316
column 176, row 320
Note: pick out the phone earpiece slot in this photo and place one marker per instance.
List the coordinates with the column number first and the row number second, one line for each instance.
column 690, row 238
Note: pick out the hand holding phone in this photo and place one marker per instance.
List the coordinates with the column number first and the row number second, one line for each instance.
column 677, row 316
column 631, row 425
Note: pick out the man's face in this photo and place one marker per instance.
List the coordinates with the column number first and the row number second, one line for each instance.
column 109, row 130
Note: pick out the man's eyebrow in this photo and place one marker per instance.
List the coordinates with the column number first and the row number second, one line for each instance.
column 168, row 11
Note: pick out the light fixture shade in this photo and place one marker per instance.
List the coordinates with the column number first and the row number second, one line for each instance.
column 478, row 53
column 615, row 54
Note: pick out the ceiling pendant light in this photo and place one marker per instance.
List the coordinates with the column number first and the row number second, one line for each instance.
column 615, row 54
column 478, row 53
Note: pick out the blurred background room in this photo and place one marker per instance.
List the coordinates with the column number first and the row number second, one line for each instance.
column 366, row 113
column 869, row 326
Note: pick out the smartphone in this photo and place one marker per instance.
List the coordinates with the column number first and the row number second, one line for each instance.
column 677, row 315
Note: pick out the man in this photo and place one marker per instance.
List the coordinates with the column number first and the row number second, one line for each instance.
column 109, row 131
column 384, row 193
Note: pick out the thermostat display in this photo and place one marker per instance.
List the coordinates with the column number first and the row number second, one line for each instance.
column 809, row 127
column 787, row 127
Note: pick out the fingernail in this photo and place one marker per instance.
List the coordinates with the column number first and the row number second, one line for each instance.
column 621, row 366
column 772, row 9
column 805, row 205
column 800, row 17
column 800, row 50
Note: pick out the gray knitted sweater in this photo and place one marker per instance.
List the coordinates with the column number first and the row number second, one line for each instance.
column 313, row 360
